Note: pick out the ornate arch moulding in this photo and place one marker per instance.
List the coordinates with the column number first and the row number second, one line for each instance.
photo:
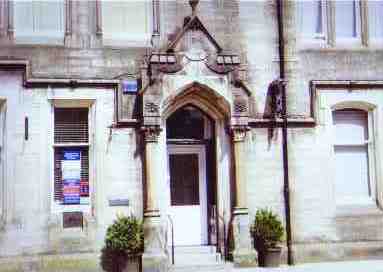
column 194, row 66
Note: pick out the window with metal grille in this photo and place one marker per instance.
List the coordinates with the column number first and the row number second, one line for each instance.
column 71, row 134
column 71, row 125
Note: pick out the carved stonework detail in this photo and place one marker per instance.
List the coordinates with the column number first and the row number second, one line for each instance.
column 151, row 107
column 151, row 133
column 240, row 106
column 220, row 69
column 170, row 68
column 238, row 133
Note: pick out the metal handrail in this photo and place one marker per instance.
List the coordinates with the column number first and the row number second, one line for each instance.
column 172, row 230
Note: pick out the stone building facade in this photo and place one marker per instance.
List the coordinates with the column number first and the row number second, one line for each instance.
column 149, row 92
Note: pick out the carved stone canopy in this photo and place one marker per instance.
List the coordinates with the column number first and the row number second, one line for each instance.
column 194, row 67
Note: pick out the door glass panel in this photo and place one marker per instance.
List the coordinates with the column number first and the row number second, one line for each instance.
column 184, row 187
column 185, row 123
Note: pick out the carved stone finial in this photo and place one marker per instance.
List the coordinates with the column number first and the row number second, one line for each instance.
column 193, row 4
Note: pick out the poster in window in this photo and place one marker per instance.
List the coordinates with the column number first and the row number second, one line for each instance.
column 84, row 188
column 84, row 191
column 71, row 176
column 71, row 191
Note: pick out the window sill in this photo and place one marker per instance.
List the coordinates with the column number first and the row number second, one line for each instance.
column 59, row 208
column 70, row 144
column 348, row 43
column 314, row 43
column 49, row 39
column 361, row 208
column 123, row 40
column 376, row 43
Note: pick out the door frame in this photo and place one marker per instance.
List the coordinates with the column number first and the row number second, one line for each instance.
column 200, row 150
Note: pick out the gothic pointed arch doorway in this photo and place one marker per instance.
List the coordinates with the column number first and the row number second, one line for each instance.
column 195, row 121
column 191, row 177
column 194, row 101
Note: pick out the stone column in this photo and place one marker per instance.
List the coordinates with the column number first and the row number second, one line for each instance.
column 154, row 256
column 151, row 134
column 244, row 254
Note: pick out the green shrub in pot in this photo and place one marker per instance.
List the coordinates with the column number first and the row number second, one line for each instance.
column 124, row 244
column 267, row 232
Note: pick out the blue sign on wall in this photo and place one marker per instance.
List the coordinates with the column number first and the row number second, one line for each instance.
column 129, row 86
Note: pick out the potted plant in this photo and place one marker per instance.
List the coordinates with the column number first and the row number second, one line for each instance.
column 124, row 245
column 267, row 231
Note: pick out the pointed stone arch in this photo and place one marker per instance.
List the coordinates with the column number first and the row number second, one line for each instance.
column 200, row 95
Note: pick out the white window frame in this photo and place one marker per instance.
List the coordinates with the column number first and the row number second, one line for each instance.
column 373, row 40
column 369, row 143
column 3, row 9
column 125, row 39
column 316, row 37
column 3, row 162
column 350, row 41
column 56, row 207
column 341, row 98
column 40, row 37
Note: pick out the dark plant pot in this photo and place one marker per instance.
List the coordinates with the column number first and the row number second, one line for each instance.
column 133, row 263
column 270, row 257
column 120, row 261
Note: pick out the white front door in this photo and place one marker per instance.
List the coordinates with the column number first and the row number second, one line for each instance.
column 188, row 198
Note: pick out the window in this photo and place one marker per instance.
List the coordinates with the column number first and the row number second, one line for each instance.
column 36, row 20
column 126, row 21
column 71, row 156
column 311, row 16
column 2, row 162
column 375, row 13
column 347, row 18
column 3, row 26
column 352, row 178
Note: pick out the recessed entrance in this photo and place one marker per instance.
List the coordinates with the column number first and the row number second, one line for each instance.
column 188, row 199
column 190, row 182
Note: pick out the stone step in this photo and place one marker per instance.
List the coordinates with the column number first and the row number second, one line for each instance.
column 222, row 267
column 185, row 259
column 192, row 255
column 193, row 249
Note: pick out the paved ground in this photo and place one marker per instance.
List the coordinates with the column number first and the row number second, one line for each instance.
column 354, row 266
